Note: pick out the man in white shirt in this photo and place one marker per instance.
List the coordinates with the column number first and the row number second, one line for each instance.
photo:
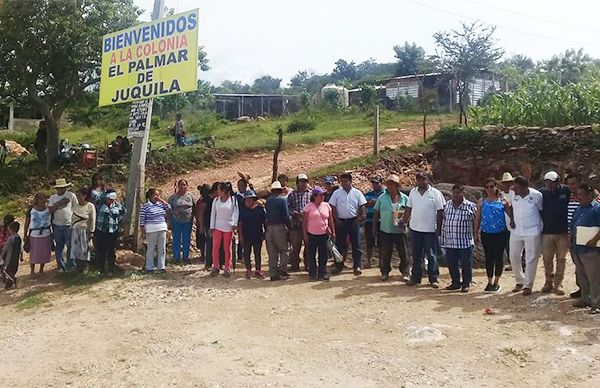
column 423, row 214
column 348, row 209
column 526, row 232
column 61, row 206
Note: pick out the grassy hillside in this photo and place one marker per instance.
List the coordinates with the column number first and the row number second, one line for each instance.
column 24, row 177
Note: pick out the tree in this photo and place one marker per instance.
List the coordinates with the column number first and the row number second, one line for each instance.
column 464, row 53
column 570, row 67
column 266, row 85
column 344, row 71
column 50, row 51
column 411, row 59
column 203, row 59
column 309, row 81
column 514, row 70
column 233, row 87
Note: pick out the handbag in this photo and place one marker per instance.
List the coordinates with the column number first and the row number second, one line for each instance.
column 334, row 251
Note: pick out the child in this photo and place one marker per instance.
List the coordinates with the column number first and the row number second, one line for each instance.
column 12, row 253
column 8, row 219
column 252, row 226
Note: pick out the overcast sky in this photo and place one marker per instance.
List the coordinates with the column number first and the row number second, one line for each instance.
column 245, row 39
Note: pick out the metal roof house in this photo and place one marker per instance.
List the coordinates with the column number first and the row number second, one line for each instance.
column 234, row 105
column 445, row 86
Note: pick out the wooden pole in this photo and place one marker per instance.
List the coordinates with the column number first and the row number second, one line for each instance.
column 137, row 167
column 376, row 131
column 276, row 154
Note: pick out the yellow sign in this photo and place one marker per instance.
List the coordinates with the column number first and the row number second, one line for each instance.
column 151, row 59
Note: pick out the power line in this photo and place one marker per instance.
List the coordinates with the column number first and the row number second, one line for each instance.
column 533, row 17
column 504, row 27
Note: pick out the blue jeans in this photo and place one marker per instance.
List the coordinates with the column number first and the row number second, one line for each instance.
column 424, row 244
column 349, row 228
column 182, row 234
column 62, row 239
column 457, row 259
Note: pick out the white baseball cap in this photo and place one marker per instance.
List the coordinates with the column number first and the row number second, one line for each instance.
column 302, row 176
column 551, row 176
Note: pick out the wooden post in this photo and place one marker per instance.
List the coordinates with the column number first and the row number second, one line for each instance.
column 11, row 116
column 137, row 167
column 276, row 154
column 376, row 131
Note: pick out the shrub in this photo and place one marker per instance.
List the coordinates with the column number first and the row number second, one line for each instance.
column 368, row 95
column 332, row 100
column 301, row 125
column 454, row 136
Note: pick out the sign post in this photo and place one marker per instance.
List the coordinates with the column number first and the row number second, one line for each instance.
column 139, row 63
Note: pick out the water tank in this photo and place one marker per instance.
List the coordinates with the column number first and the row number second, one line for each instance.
column 342, row 91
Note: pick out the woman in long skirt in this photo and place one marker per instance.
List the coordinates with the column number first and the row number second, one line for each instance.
column 83, row 225
column 38, row 240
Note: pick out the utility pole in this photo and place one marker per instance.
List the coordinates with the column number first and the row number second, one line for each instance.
column 137, row 167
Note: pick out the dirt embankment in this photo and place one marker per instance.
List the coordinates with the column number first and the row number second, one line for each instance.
column 471, row 156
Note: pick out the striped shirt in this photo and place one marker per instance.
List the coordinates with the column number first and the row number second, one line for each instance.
column 457, row 225
column 573, row 205
column 154, row 215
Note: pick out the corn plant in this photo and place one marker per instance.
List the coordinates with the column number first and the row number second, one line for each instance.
column 542, row 102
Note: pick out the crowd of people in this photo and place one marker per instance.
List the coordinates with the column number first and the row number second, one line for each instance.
column 307, row 225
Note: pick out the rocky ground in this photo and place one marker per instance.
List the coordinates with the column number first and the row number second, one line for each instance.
column 187, row 329
column 184, row 328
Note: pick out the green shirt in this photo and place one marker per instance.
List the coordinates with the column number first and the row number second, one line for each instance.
column 390, row 212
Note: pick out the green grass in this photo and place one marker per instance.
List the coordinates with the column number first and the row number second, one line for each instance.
column 25, row 177
column 30, row 301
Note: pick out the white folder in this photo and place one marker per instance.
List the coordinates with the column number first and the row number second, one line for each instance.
column 585, row 234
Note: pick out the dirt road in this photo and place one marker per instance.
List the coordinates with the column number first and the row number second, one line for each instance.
column 187, row 329
column 305, row 158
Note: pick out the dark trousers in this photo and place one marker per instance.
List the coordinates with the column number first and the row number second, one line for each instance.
column 460, row 259
column 250, row 246
column 201, row 243
column 424, row 244
column 493, row 248
column 348, row 228
column 11, row 272
column 587, row 271
column 370, row 239
column 106, row 246
column 317, row 243
column 387, row 243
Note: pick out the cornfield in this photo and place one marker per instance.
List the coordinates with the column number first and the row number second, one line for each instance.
column 541, row 102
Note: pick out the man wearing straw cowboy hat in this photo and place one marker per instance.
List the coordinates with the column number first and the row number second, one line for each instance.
column 278, row 233
column 61, row 206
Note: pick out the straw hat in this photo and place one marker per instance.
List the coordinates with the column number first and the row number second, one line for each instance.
column 244, row 176
column 61, row 183
column 507, row 177
column 276, row 186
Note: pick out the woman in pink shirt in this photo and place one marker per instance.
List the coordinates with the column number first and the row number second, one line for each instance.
column 318, row 226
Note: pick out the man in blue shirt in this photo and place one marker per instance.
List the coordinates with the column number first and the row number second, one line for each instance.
column 278, row 233
column 348, row 203
column 555, row 240
column 586, row 254
column 370, row 238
